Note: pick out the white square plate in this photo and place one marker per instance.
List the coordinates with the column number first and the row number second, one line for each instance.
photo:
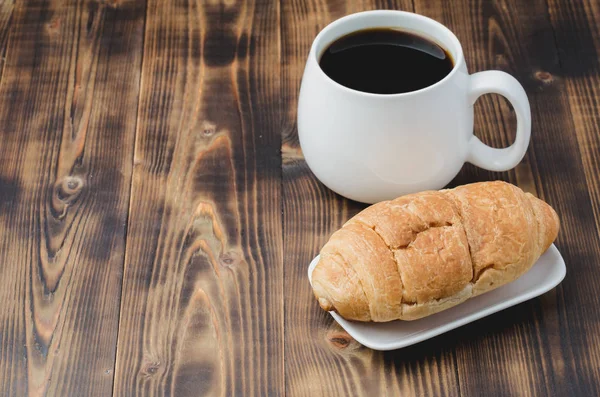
column 544, row 275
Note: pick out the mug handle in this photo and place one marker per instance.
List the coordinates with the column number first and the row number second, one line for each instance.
column 497, row 82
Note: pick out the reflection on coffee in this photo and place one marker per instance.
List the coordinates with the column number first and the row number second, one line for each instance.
column 385, row 61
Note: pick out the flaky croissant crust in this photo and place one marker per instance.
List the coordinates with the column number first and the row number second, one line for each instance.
column 422, row 253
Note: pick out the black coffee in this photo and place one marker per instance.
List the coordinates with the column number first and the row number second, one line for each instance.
column 385, row 61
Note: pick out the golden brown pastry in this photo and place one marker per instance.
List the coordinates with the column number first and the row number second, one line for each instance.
column 423, row 253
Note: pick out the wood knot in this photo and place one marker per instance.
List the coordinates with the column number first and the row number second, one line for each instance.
column 339, row 339
column 53, row 26
column 69, row 188
column 208, row 128
column 72, row 184
column 229, row 259
column 150, row 368
column 544, row 77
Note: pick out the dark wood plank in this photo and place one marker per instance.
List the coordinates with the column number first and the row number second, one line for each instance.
column 202, row 306
column 67, row 123
column 577, row 35
column 546, row 346
column 575, row 26
column 6, row 12
column 322, row 359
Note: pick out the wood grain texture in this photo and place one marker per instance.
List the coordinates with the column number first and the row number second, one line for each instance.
column 6, row 12
column 202, row 306
column 67, row 137
column 157, row 217
column 577, row 36
column 322, row 359
column 575, row 27
column 523, row 350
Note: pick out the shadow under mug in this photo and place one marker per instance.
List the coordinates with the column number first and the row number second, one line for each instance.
column 374, row 147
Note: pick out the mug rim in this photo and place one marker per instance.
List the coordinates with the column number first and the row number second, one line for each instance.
column 458, row 61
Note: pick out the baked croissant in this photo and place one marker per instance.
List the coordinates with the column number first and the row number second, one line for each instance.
column 423, row 253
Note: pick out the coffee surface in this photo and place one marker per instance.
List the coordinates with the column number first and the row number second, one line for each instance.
column 385, row 61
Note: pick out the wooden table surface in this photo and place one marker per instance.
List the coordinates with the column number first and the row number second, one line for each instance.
column 157, row 216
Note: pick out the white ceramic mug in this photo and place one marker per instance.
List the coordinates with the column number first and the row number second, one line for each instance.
column 374, row 147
